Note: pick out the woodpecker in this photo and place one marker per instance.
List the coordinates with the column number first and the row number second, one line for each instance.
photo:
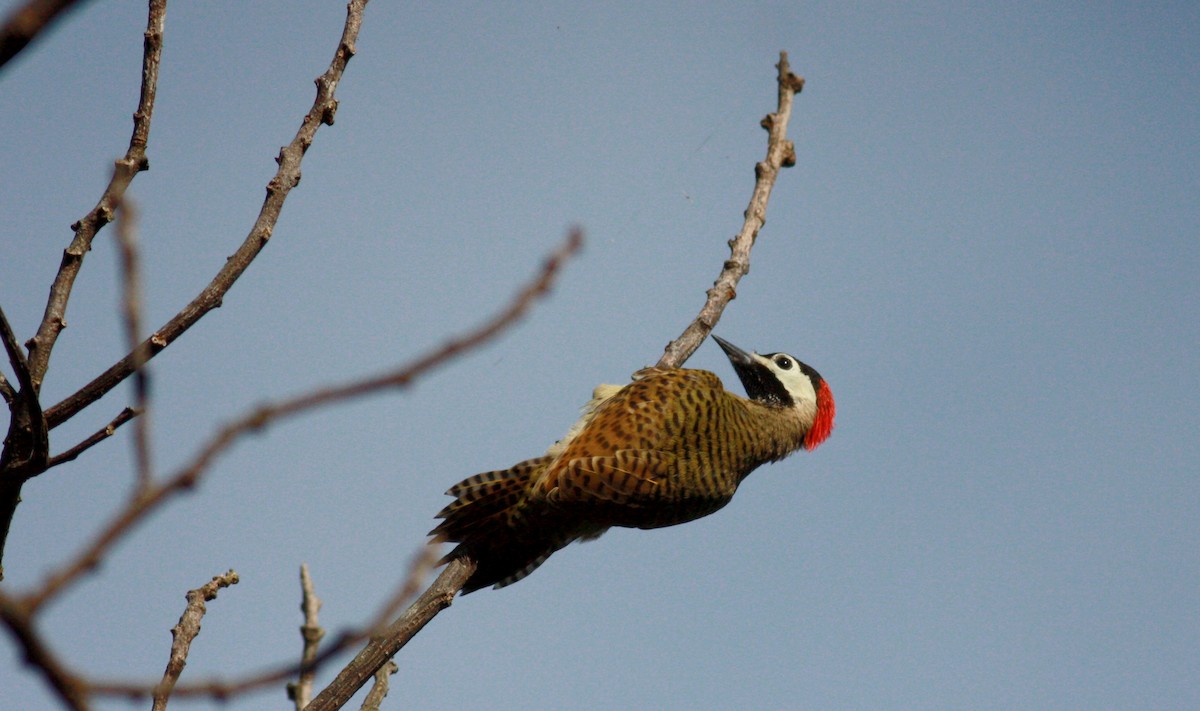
column 669, row 447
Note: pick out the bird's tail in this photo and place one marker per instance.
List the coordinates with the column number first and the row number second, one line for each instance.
column 493, row 525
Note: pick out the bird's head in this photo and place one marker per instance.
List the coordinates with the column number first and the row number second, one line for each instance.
column 779, row 380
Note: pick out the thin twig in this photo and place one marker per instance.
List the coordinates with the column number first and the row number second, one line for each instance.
column 300, row 691
column 323, row 109
column 134, row 161
column 131, row 310
column 187, row 477
column 379, row 690
column 26, row 23
column 781, row 153
column 96, row 437
column 187, row 630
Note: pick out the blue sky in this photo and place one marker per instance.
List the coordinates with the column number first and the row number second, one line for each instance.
column 989, row 247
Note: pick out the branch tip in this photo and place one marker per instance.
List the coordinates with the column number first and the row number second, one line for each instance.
column 780, row 153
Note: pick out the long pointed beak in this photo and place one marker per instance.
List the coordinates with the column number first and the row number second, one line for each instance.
column 737, row 356
column 759, row 382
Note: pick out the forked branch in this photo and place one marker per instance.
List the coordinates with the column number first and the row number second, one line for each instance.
column 54, row 318
column 187, row 477
column 24, row 608
column 323, row 109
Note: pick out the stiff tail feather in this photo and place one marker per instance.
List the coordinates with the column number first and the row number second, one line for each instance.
column 487, row 522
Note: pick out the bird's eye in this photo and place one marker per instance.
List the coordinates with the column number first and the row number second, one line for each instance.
column 783, row 362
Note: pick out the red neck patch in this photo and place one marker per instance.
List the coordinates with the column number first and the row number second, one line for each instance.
column 822, row 424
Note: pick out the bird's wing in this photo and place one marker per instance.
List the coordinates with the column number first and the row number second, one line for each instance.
column 626, row 451
column 629, row 477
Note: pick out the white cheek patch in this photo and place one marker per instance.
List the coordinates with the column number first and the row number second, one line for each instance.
column 797, row 382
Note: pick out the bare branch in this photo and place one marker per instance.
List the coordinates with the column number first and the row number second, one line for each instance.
column 323, row 109
column 31, row 442
column 226, row 689
column 422, row 564
column 781, row 153
column 187, row 630
column 135, row 161
column 300, row 691
column 131, row 309
column 379, row 690
column 26, row 444
column 187, row 477
column 27, row 22
column 381, row 648
column 96, row 437
column 19, row 619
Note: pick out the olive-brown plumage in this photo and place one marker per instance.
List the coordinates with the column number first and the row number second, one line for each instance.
column 671, row 446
